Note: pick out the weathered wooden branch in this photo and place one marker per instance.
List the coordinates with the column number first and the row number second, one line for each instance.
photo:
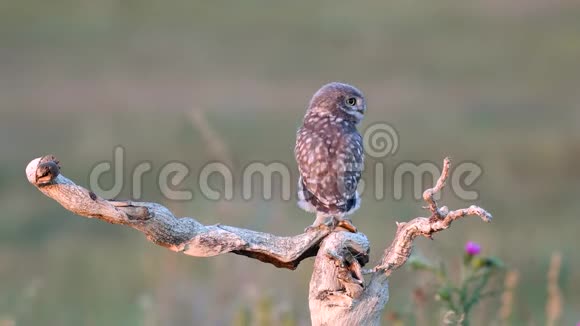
column 339, row 294
column 364, row 306
column 184, row 235
column 441, row 218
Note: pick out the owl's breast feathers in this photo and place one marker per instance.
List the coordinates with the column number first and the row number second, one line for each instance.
column 329, row 152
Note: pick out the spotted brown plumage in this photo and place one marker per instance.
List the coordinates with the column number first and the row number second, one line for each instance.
column 329, row 153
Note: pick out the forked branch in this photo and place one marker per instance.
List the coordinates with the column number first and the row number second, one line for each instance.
column 365, row 305
column 339, row 295
column 441, row 218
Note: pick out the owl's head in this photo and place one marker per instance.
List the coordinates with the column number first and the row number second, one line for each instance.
column 339, row 100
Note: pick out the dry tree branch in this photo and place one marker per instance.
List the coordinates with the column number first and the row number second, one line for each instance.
column 338, row 292
column 185, row 235
column 441, row 218
column 366, row 306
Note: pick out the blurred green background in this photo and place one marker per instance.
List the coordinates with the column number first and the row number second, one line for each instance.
column 491, row 82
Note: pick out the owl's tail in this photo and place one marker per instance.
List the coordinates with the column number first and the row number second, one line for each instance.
column 310, row 203
column 306, row 198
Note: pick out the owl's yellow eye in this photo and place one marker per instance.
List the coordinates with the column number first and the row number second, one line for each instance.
column 351, row 101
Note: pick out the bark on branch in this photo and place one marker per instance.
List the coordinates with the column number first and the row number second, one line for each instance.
column 441, row 218
column 185, row 235
column 339, row 294
column 364, row 305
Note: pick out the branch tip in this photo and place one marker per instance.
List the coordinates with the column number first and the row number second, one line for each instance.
column 161, row 227
column 441, row 218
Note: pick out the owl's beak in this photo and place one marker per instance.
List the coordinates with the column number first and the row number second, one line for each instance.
column 359, row 113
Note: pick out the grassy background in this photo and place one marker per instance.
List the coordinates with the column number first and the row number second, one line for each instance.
column 493, row 82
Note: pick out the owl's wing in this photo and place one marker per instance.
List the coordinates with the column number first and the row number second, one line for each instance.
column 312, row 156
column 349, row 165
column 330, row 167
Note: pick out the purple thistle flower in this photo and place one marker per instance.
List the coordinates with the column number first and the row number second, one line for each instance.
column 472, row 248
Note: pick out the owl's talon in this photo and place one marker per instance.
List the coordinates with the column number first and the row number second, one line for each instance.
column 322, row 223
column 330, row 222
column 347, row 224
column 314, row 228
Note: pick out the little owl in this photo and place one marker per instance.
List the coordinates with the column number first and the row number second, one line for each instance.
column 329, row 153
